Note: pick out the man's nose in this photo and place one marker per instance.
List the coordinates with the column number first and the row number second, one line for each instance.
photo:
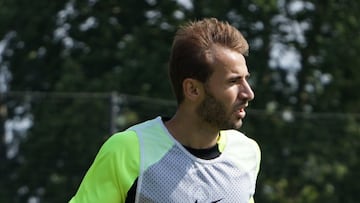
column 246, row 92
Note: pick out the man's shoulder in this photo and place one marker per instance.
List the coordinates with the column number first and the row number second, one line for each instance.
column 129, row 140
column 237, row 136
column 127, row 136
column 243, row 149
column 151, row 126
column 125, row 142
column 130, row 135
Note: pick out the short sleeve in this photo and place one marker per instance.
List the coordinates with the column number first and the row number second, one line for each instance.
column 113, row 171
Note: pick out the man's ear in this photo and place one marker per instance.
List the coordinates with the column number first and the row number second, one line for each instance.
column 192, row 89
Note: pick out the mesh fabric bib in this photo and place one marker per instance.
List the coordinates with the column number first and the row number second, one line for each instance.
column 169, row 173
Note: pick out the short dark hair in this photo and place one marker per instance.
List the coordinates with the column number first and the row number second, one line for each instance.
column 192, row 50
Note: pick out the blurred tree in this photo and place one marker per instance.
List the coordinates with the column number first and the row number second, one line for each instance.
column 312, row 64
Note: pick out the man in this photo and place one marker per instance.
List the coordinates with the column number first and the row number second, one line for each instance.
column 197, row 155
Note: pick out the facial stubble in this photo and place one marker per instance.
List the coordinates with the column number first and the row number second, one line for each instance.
column 213, row 111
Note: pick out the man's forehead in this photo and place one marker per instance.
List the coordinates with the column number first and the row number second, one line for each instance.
column 229, row 59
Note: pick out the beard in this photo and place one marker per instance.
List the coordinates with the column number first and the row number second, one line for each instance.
column 214, row 113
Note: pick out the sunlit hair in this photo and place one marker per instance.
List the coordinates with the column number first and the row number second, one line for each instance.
column 193, row 49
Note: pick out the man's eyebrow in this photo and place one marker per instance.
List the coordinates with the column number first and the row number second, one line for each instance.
column 247, row 75
column 240, row 76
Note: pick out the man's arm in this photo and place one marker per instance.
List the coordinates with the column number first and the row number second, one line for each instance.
column 113, row 171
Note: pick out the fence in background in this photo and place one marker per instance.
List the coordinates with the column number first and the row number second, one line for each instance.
column 50, row 139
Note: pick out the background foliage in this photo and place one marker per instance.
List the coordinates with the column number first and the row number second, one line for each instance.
column 303, row 61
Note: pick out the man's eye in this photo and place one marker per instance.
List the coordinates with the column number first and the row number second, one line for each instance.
column 233, row 81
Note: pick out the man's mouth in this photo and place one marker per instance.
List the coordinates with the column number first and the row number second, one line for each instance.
column 241, row 113
column 240, row 109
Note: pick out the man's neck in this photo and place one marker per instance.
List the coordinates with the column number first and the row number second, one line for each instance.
column 191, row 131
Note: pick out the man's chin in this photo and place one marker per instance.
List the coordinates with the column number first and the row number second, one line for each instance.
column 238, row 126
column 235, row 125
